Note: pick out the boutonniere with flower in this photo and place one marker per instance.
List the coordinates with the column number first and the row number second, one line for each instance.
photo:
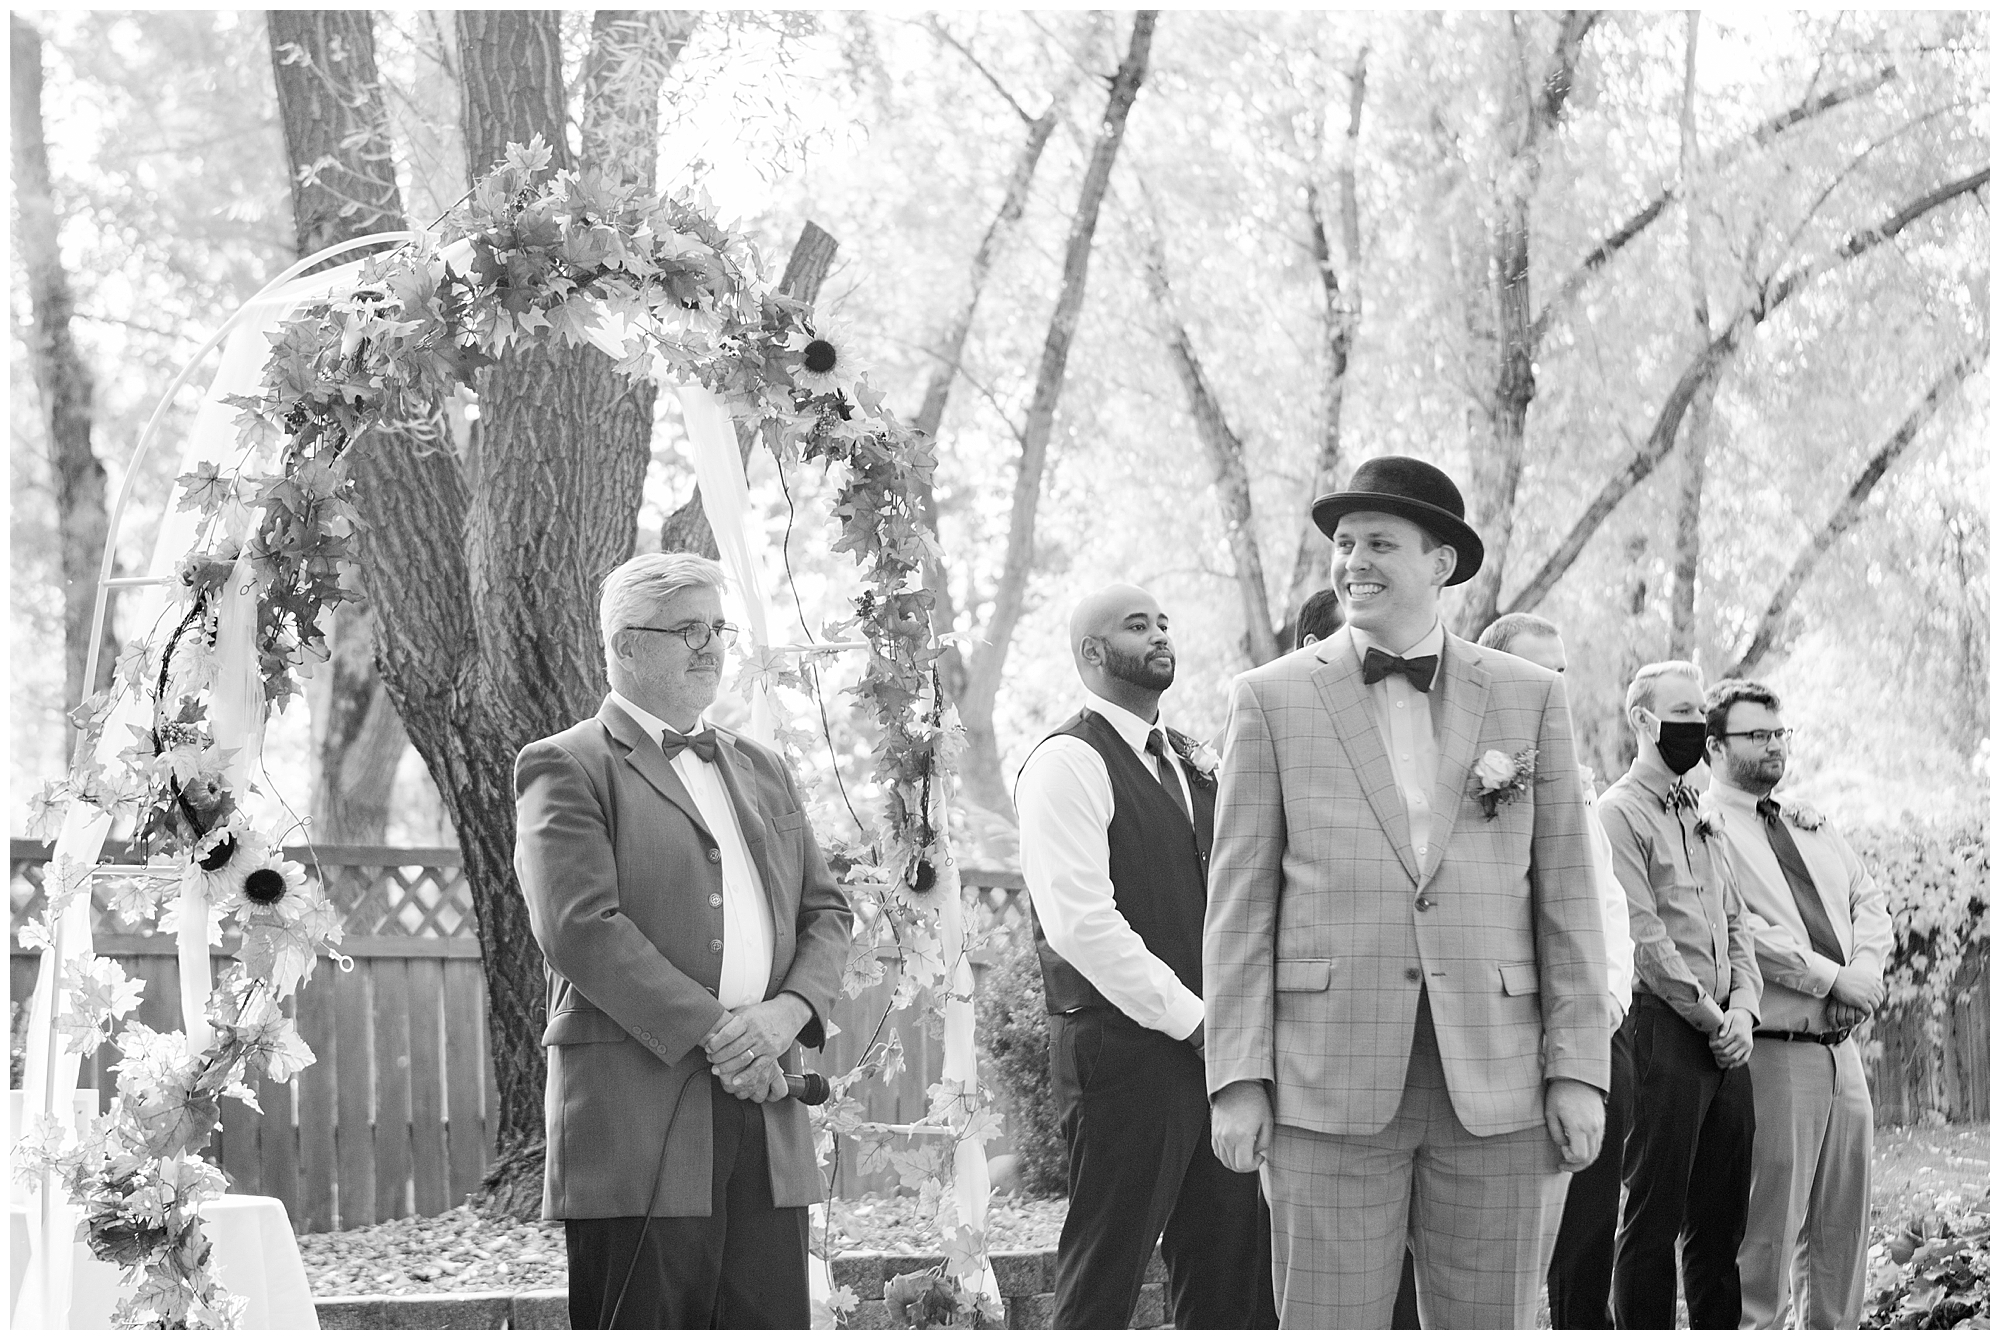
column 1503, row 778
column 1708, row 823
column 1200, row 760
column 1802, row 817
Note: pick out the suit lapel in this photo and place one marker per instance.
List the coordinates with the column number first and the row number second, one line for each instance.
column 1346, row 698
column 644, row 756
column 738, row 778
column 1465, row 687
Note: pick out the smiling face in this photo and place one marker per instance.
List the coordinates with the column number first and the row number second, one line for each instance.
column 658, row 671
column 1388, row 581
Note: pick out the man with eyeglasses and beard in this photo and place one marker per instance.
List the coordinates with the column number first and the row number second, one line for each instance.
column 1822, row 933
column 695, row 939
column 1116, row 816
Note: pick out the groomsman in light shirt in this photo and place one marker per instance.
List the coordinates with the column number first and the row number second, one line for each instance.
column 1822, row 933
column 1116, row 827
column 1580, row 1271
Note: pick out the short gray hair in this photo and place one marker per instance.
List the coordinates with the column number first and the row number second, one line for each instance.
column 1641, row 692
column 1500, row 634
column 645, row 578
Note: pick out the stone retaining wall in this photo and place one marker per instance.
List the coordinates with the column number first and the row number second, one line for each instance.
column 1025, row 1280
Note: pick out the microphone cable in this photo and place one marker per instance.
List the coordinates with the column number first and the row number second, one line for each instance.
column 659, row 1170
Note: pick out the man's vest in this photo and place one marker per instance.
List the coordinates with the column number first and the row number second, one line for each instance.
column 1159, row 866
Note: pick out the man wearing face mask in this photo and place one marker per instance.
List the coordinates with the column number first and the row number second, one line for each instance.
column 1688, row 1155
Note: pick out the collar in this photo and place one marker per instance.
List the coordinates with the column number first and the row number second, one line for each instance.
column 647, row 722
column 1430, row 644
column 1131, row 727
column 1733, row 797
column 1654, row 777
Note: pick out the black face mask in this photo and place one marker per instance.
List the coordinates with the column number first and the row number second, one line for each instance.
column 1682, row 744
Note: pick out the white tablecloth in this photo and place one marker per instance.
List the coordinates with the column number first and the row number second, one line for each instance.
column 255, row 1253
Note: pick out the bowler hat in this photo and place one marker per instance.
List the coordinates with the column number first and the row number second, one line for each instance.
column 1416, row 491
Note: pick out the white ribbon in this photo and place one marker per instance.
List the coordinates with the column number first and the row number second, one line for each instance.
column 725, row 498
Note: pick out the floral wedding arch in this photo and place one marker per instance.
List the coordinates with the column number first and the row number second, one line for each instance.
column 531, row 256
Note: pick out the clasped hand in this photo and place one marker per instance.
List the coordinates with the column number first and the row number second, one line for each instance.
column 1731, row 1043
column 743, row 1050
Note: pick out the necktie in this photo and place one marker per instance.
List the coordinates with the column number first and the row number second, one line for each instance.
column 1419, row 670
column 1819, row 929
column 702, row 742
column 1156, row 745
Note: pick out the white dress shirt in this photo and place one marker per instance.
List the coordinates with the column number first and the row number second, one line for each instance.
column 748, row 935
column 1611, row 899
column 1404, row 716
column 1065, row 803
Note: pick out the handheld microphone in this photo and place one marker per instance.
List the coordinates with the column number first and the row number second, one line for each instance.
column 808, row 1088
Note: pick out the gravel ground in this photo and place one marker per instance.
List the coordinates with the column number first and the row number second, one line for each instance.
column 459, row 1252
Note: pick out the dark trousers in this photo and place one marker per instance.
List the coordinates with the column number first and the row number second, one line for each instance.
column 1687, row 1176
column 1134, row 1108
column 1580, row 1270
column 743, row 1267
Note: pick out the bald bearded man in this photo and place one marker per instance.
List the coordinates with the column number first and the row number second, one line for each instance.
column 1115, row 833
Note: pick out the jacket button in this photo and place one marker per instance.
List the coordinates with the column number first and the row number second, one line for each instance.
column 715, row 900
column 1413, row 974
column 714, row 855
column 1425, row 904
column 715, row 946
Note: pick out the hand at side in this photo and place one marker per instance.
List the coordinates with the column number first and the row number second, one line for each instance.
column 1240, row 1125
column 1574, row 1113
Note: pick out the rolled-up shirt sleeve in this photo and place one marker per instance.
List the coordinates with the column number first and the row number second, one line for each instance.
column 1065, row 804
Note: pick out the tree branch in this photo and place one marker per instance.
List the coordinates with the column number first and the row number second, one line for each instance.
column 943, row 35
column 1764, row 640
column 1666, row 425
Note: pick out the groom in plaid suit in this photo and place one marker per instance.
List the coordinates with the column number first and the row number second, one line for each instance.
column 1407, row 1020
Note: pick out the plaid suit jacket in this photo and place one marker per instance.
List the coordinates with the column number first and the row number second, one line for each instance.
column 1315, row 949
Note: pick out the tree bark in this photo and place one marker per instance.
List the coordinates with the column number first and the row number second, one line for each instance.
column 1666, row 424
column 952, row 664
column 984, row 782
column 1224, row 448
column 1340, row 324
column 1694, row 456
column 343, row 181
column 1496, row 472
column 62, row 379
column 686, row 529
column 631, row 53
column 1764, row 641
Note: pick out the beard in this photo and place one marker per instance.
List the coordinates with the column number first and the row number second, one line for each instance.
column 1138, row 671
column 1758, row 776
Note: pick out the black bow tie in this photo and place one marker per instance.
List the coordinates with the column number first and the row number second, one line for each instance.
column 702, row 742
column 1419, row 670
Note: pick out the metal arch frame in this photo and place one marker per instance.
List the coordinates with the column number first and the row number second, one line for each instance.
column 105, row 581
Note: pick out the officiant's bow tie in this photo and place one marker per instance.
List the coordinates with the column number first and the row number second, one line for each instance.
column 702, row 742
column 1419, row 670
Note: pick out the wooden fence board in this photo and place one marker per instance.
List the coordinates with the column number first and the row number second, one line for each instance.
column 354, row 1136
column 318, row 1087
column 390, row 979
column 238, row 1136
column 428, row 1096
column 460, row 1006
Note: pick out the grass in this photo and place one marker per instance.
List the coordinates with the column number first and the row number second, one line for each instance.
column 1919, row 1169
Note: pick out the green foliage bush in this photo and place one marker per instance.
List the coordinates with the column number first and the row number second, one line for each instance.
column 1937, row 1276
column 1013, row 1024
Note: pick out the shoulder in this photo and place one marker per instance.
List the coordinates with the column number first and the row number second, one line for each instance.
column 1061, row 754
column 1294, row 667
column 579, row 743
column 1503, row 667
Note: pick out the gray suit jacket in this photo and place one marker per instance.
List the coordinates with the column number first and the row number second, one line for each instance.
column 624, row 895
column 1315, row 947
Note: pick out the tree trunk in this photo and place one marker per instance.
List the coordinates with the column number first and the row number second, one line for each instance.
column 62, row 380
column 631, row 53
column 1764, row 641
column 984, row 782
column 1224, row 448
column 686, row 529
column 1496, row 473
column 952, row 664
column 1666, row 424
column 1694, row 455
column 1340, row 323
column 343, row 180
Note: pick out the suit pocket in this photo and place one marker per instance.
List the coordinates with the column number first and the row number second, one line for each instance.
column 581, row 1024
column 1305, row 974
column 1520, row 979
column 788, row 823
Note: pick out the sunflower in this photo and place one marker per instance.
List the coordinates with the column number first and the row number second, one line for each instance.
column 827, row 362
column 232, row 867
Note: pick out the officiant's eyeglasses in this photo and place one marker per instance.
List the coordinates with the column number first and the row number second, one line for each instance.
column 696, row 635
column 1761, row 739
